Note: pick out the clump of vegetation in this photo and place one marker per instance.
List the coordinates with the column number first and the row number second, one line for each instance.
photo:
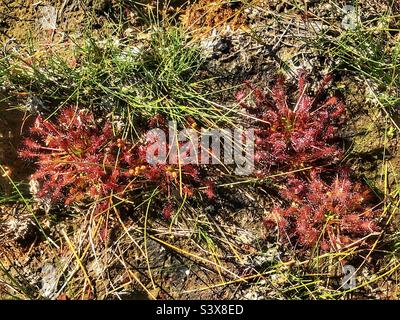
column 162, row 75
column 80, row 160
column 77, row 158
column 365, row 53
column 291, row 135
column 330, row 215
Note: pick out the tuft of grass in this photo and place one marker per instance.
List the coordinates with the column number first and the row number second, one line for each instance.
column 372, row 54
column 162, row 75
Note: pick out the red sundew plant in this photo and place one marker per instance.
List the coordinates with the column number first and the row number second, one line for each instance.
column 77, row 158
column 185, row 179
column 292, row 135
column 328, row 215
column 80, row 160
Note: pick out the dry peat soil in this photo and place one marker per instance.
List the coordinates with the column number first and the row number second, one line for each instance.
column 223, row 247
